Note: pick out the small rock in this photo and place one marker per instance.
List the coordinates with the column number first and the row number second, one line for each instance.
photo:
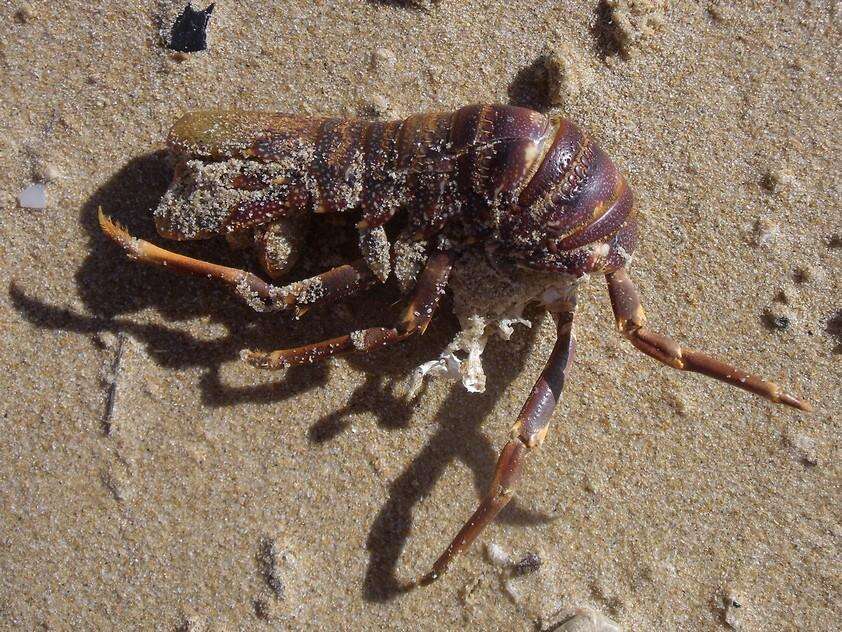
column 732, row 610
column 496, row 555
column 49, row 173
column 587, row 621
column 41, row 170
column 550, row 79
column 777, row 180
column 631, row 24
column 765, row 232
column 555, row 76
column 25, row 13
column 377, row 106
column 778, row 316
column 34, row 196
column 383, row 59
column 804, row 447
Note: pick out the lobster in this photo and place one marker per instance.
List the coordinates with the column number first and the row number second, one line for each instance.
column 528, row 191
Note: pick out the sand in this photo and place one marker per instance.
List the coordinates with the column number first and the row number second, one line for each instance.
column 152, row 480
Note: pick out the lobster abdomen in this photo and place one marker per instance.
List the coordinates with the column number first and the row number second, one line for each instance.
column 504, row 174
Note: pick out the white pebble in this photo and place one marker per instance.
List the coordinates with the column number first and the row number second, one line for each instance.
column 383, row 59
column 732, row 610
column 496, row 555
column 804, row 447
column 51, row 173
column 588, row 621
column 34, row 196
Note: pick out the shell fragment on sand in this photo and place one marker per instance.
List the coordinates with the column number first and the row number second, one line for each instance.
column 34, row 196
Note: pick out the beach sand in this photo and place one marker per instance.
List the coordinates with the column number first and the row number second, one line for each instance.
column 151, row 480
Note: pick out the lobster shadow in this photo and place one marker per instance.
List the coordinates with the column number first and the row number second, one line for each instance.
column 458, row 436
column 113, row 289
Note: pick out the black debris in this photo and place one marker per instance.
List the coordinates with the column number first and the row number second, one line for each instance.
column 262, row 609
column 834, row 329
column 528, row 565
column 776, row 317
column 267, row 559
column 189, row 33
column 781, row 322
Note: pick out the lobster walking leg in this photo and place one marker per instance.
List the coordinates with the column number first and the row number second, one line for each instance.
column 335, row 284
column 631, row 323
column 419, row 312
column 528, row 433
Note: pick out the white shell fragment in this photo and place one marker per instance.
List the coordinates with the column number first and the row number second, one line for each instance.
column 34, row 196
column 496, row 555
column 588, row 621
column 733, row 612
column 488, row 300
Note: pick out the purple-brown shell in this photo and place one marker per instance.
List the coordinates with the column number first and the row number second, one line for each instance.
column 534, row 190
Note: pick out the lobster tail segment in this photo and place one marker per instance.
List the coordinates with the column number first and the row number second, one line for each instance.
column 501, row 143
column 582, row 203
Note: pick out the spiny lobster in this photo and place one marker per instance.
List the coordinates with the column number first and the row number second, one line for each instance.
column 530, row 191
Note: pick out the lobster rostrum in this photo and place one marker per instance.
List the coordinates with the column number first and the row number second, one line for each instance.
column 529, row 191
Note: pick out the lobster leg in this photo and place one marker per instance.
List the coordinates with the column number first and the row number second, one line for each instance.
column 335, row 284
column 631, row 323
column 417, row 316
column 528, row 433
